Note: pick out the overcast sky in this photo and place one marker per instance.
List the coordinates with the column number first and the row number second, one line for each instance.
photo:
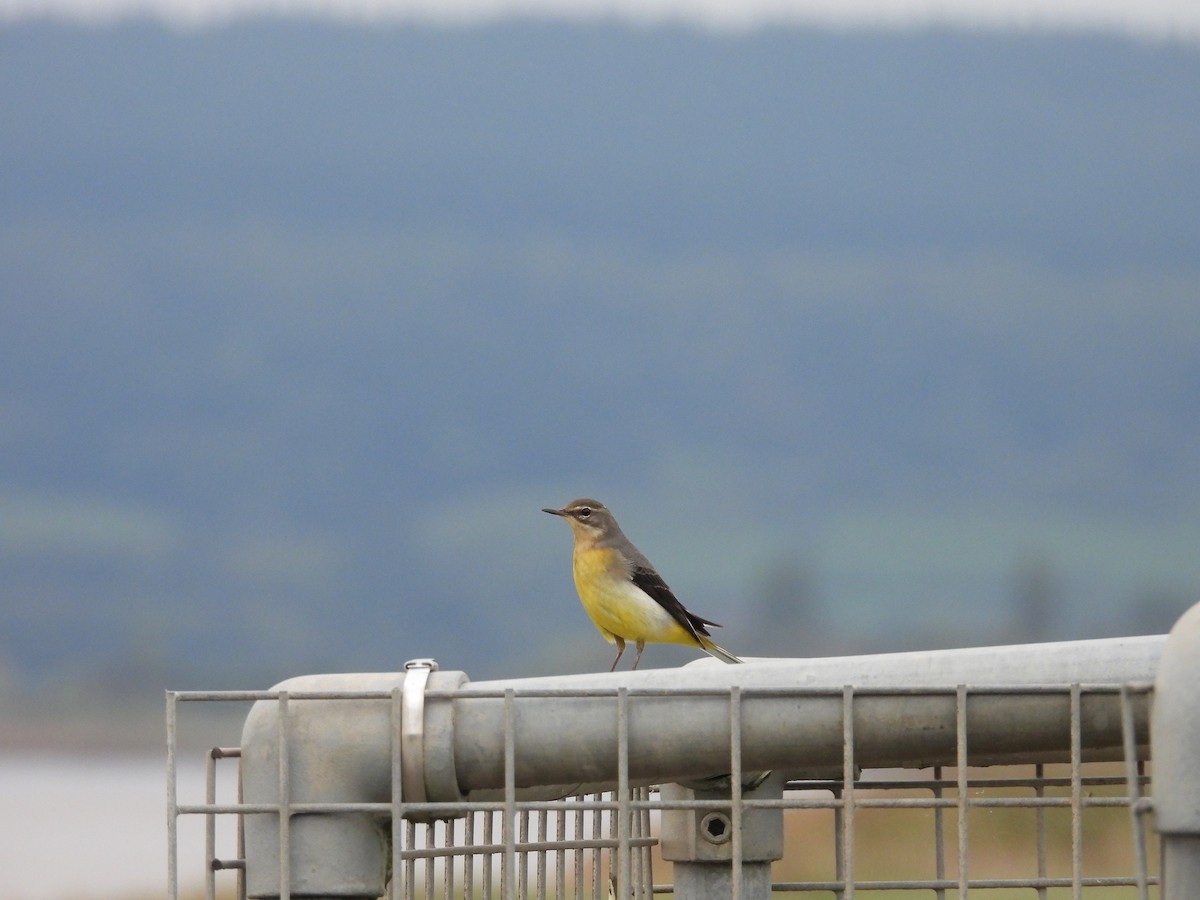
column 1153, row 18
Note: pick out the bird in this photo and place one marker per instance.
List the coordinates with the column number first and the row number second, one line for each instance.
column 625, row 597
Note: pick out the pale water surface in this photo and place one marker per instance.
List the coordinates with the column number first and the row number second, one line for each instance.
column 95, row 828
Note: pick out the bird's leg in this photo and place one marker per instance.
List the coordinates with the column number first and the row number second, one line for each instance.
column 620, row 642
column 641, row 645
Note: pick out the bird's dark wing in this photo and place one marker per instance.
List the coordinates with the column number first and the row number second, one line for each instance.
column 651, row 582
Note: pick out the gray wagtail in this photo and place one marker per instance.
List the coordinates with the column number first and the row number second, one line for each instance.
column 626, row 599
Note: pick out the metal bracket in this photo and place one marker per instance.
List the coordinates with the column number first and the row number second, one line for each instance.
column 412, row 729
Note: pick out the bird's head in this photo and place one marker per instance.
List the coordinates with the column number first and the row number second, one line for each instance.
column 588, row 518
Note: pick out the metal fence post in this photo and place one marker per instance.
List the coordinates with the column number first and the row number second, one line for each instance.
column 1175, row 741
column 700, row 841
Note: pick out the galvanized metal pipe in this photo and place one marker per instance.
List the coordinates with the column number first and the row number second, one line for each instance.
column 561, row 736
column 1176, row 739
column 904, row 713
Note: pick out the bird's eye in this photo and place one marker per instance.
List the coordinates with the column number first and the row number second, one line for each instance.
column 585, row 512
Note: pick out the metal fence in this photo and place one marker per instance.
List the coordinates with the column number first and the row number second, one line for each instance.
column 717, row 781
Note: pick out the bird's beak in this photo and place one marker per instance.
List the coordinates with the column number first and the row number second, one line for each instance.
column 555, row 512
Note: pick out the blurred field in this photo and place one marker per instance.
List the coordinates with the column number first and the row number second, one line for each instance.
column 1003, row 843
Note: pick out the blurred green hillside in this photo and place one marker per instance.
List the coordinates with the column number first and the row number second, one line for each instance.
column 872, row 341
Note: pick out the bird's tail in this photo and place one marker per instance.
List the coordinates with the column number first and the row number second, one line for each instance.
column 719, row 652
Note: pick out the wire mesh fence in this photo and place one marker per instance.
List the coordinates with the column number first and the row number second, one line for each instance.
column 1067, row 821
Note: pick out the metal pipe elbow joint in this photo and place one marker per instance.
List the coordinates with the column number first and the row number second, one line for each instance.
column 311, row 747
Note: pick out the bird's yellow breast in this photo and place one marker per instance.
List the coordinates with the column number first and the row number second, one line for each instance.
column 617, row 606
